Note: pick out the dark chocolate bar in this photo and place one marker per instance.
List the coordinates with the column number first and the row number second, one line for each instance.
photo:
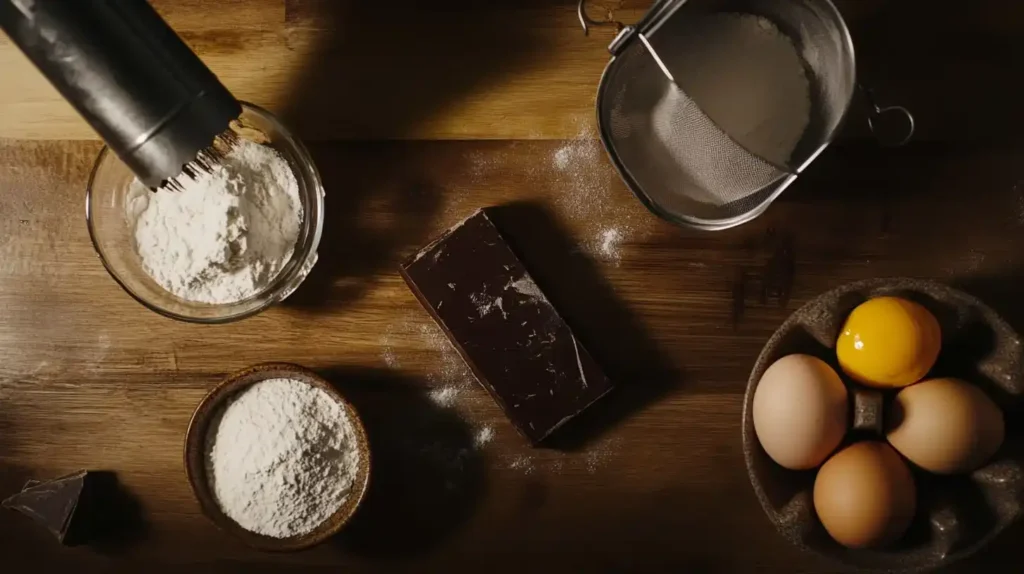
column 53, row 503
column 520, row 349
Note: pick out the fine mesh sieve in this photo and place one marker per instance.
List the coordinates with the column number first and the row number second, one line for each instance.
column 678, row 161
column 679, row 152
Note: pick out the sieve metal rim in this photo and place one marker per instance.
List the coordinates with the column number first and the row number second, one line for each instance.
column 678, row 218
column 629, row 34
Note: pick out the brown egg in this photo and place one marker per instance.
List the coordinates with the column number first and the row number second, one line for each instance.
column 800, row 411
column 865, row 495
column 945, row 426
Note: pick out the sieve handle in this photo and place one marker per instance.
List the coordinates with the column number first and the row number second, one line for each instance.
column 586, row 21
column 657, row 15
column 877, row 112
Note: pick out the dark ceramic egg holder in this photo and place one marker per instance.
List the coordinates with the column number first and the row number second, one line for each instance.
column 956, row 515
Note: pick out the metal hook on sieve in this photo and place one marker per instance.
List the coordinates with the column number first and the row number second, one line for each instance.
column 586, row 21
column 877, row 112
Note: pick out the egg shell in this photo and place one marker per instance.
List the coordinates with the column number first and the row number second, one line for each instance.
column 800, row 411
column 865, row 496
column 945, row 426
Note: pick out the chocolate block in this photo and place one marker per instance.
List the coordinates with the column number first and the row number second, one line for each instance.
column 520, row 349
column 54, row 504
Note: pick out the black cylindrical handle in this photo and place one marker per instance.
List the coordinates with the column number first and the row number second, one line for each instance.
column 128, row 74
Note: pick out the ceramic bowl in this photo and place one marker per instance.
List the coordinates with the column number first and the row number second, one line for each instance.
column 195, row 463
column 955, row 516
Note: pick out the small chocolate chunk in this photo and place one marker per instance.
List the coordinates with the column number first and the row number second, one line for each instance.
column 54, row 504
column 513, row 339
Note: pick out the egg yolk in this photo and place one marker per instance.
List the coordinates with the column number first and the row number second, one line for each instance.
column 889, row 342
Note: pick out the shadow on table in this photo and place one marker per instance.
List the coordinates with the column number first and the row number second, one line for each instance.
column 378, row 199
column 115, row 519
column 615, row 337
column 380, row 71
column 946, row 66
column 864, row 173
column 722, row 530
column 426, row 477
column 108, row 518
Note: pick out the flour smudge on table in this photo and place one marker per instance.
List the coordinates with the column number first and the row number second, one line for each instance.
column 585, row 195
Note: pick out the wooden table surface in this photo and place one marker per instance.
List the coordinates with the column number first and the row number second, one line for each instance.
column 419, row 113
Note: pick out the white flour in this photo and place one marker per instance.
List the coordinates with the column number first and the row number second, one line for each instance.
column 745, row 75
column 483, row 437
column 281, row 458
column 445, row 397
column 522, row 463
column 450, row 377
column 227, row 235
column 585, row 183
column 609, row 247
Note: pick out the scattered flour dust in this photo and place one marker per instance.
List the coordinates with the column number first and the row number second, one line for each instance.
column 227, row 234
column 521, row 463
column 968, row 264
column 281, row 457
column 526, row 286
column 451, row 371
column 451, row 379
column 485, row 304
column 563, row 158
column 585, row 183
column 975, row 261
column 584, row 180
column 608, row 244
column 483, row 437
column 551, row 462
column 445, row 397
column 388, row 353
column 600, row 454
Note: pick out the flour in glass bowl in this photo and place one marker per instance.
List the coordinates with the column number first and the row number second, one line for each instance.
column 226, row 236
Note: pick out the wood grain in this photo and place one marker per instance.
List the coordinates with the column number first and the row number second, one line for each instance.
column 652, row 479
column 350, row 69
column 89, row 378
column 508, row 69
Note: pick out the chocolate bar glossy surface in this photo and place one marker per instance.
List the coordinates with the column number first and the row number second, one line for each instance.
column 505, row 328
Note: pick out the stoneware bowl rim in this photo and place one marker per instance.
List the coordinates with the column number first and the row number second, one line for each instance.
column 195, row 467
column 867, row 288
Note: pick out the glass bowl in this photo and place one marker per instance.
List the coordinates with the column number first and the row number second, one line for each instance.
column 113, row 236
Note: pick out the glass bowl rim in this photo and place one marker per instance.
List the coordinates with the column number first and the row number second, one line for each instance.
column 283, row 285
